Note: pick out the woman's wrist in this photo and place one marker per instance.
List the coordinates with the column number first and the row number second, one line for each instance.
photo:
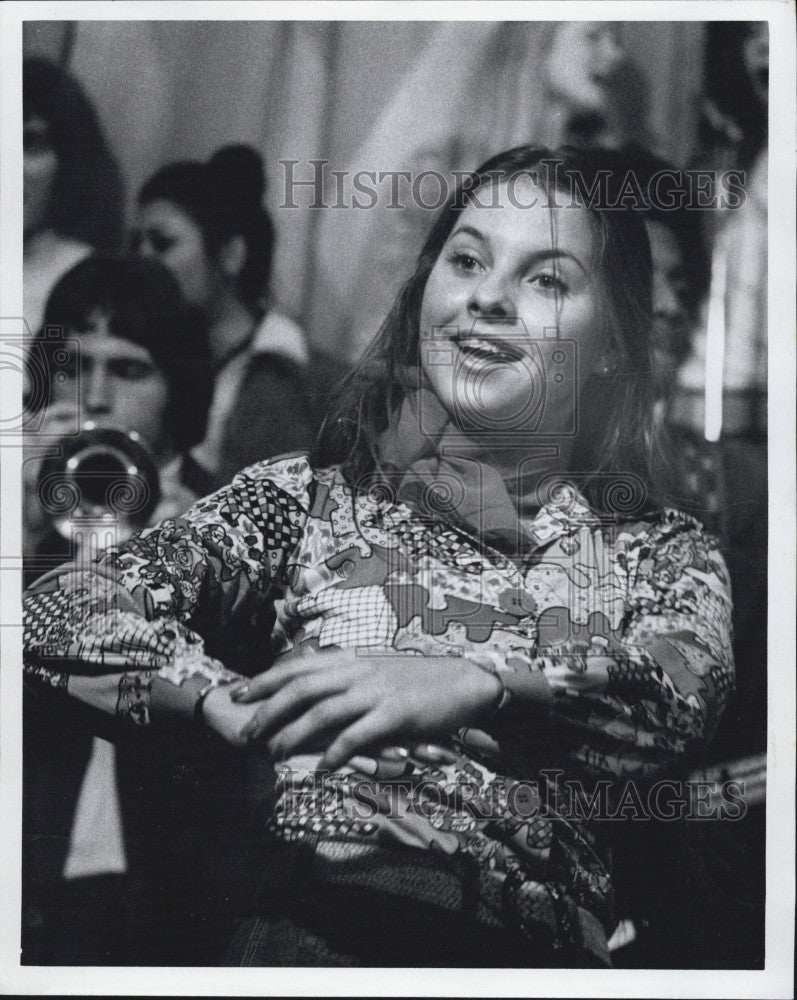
column 520, row 681
column 169, row 701
column 199, row 704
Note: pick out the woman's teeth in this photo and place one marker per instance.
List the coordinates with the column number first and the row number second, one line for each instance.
column 487, row 351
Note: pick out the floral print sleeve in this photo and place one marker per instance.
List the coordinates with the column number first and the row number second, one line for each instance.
column 132, row 619
column 632, row 696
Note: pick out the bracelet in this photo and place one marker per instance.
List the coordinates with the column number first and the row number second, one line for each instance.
column 199, row 704
column 505, row 695
column 488, row 662
column 528, row 684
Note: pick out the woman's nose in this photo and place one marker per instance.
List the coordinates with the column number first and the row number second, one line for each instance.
column 611, row 52
column 143, row 248
column 491, row 297
column 666, row 301
column 97, row 394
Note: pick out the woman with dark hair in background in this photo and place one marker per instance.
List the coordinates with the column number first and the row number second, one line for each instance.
column 703, row 903
column 72, row 187
column 482, row 596
column 206, row 223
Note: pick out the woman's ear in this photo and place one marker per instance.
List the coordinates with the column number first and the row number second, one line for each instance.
column 232, row 256
column 607, row 361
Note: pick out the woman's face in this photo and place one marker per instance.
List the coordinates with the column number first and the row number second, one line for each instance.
column 672, row 317
column 509, row 321
column 169, row 235
column 115, row 383
column 582, row 58
column 39, row 170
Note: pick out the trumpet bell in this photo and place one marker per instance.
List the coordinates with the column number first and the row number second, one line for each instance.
column 100, row 474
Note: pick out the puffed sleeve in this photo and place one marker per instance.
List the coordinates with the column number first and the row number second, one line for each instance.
column 123, row 634
column 635, row 700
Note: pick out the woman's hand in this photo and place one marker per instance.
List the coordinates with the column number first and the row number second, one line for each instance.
column 342, row 702
column 225, row 717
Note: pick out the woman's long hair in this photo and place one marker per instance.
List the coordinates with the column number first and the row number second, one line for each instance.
column 87, row 202
column 619, row 442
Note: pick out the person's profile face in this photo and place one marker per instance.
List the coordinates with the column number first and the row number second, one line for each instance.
column 509, row 323
column 580, row 62
column 168, row 235
column 755, row 53
column 39, row 170
column 116, row 382
column 672, row 316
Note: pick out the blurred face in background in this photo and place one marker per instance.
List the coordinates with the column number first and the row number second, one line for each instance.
column 672, row 316
column 116, row 382
column 168, row 235
column 755, row 52
column 581, row 60
column 39, row 170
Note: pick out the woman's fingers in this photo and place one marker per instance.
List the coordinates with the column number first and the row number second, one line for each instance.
column 291, row 698
column 367, row 731
column 315, row 726
column 265, row 684
column 223, row 716
column 282, row 673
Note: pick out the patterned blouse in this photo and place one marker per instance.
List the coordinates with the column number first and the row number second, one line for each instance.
column 628, row 622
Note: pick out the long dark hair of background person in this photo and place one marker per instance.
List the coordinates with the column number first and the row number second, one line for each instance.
column 87, row 198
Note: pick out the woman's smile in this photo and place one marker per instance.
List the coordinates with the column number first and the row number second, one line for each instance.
column 489, row 350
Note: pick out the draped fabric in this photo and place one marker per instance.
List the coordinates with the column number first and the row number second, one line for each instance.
column 359, row 96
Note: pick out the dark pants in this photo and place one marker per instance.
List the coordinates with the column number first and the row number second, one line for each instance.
column 372, row 930
column 300, row 920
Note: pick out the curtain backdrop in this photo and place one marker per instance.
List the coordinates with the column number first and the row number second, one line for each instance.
column 375, row 96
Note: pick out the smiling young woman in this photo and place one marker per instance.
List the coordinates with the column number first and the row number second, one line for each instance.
column 478, row 589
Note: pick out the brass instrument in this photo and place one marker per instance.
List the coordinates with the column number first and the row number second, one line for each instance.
column 101, row 476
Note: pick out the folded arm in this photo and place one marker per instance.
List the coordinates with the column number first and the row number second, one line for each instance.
column 123, row 633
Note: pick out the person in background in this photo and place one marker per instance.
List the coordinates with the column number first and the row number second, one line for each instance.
column 206, row 223
column 134, row 362
column 582, row 69
column 709, row 876
column 485, row 588
column 733, row 136
column 72, row 189
column 99, row 834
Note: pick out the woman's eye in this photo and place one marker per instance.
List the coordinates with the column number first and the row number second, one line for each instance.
column 130, row 369
column 160, row 243
column 36, row 141
column 36, row 145
column 465, row 261
column 547, row 282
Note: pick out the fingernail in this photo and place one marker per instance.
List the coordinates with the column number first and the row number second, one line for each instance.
column 239, row 692
column 365, row 764
column 434, row 754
